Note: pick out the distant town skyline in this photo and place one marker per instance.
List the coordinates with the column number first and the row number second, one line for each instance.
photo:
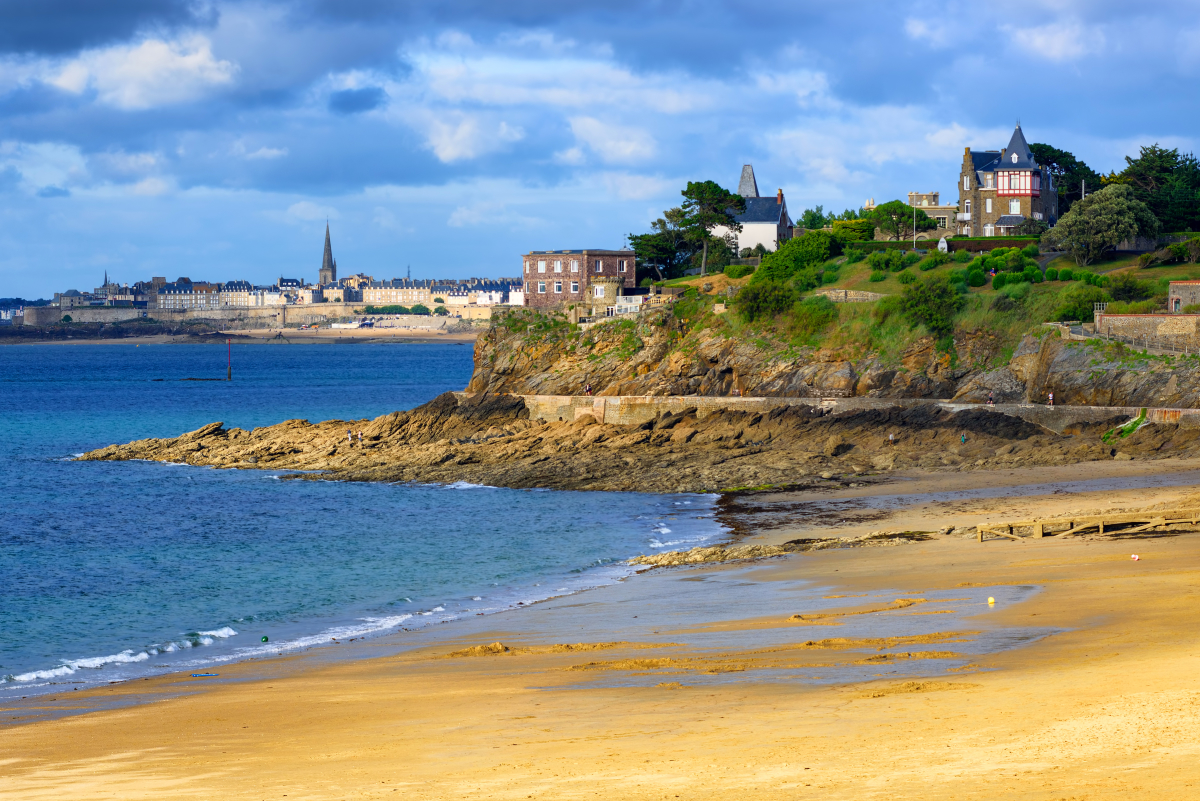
column 216, row 139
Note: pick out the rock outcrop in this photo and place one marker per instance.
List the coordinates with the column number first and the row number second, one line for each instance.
column 491, row 440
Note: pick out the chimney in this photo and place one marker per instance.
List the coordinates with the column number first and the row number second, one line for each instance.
column 779, row 197
column 967, row 150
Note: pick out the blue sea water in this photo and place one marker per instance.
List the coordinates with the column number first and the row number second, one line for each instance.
column 109, row 571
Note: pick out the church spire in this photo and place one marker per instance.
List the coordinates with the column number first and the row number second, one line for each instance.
column 328, row 274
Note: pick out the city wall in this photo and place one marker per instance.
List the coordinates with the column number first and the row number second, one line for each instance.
column 632, row 410
column 231, row 317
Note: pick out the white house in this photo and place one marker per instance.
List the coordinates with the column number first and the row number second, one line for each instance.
column 765, row 221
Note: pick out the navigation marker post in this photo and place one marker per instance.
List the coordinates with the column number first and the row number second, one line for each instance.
column 229, row 359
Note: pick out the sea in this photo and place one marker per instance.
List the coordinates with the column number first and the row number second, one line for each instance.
column 111, row 571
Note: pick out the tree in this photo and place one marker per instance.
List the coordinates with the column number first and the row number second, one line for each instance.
column 1097, row 224
column 1168, row 182
column 1070, row 174
column 708, row 205
column 813, row 218
column 854, row 230
column 441, row 311
column 419, row 308
column 895, row 219
column 667, row 248
column 1030, row 227
column 438, row 300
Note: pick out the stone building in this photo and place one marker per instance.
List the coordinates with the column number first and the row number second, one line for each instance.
column 944, row 216
column 555, row 278
column 1000, row 189
column 1181, row 294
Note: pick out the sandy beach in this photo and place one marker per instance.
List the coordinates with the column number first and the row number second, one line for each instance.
column 895, row 679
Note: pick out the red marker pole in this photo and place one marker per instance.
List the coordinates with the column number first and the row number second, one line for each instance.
column 229, row 360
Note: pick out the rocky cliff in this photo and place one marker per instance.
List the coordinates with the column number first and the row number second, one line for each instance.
column 661, row 354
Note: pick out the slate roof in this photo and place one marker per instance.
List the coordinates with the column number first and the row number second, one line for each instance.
column 748, row 186
column 327, row 259
column 1009, row 220
column 761, row 210
column 1020, row 148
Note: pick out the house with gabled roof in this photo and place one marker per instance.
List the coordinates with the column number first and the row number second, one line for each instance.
column 764, row 222
column 1000, row 189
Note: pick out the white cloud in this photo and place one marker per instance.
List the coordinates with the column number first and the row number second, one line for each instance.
column 1057, row 41
column 932, row 31
column 308, row 211
column 636, row 187
column 145, row 75
column 44, row 164
column 488, row 212
column 613, row 143
column 151, row 187
column 455, row 136
column 239, row 149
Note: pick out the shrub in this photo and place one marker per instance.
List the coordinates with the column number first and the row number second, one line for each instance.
column 877, row 276
column 1191, row 308
column 909, row 259
column 1033, row 275
column 962, row 256
column 935, row 258
column 829, row 276
column 764, row 299
column 1016, row 291
column 66, row 318
column 884, row 260
column 1133, row 307
column 811, row 315
column 998, row 280
column 927, row 264
column 1052, row 274
column 1015, row 260
column 739, row 270
column 1078, row 303
column 1030, row 250
column 1123, row 286
column 854, row 255
column 887, row 308
column 905, row 277
column 998, row 252
column 1066, row 274
column 796, row 254
column 976, row 278
column 854, row 230
column 932, row 302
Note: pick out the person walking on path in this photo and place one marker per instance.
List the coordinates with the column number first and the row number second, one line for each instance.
column 990, row 401
column 1051, row 399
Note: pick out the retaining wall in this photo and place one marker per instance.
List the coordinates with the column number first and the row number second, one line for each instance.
column 632, row 410
column 1178, row 329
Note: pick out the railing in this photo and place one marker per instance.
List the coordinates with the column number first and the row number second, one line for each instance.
column 963, row 216
column 1149, row 343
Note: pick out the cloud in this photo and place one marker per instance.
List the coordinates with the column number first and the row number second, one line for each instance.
column 488, row 212
column 1057, row 41
column 308, row 211
column 356, row 101
column 613, row 143
column 142, row 76
column 60, row 26
column 53, row 191
column 44, row 166
column 933, row 31
column 456, row 136
column 636, row 187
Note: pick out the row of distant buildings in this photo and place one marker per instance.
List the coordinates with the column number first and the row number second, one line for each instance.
column 186, row 294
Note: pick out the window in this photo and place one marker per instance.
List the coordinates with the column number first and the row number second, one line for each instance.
column 598, row 291
column 621, row 266
column 989, row 230
column 968, row 208
column 574, row 265
column 541, row 266
column 542, row 287
column 966, row 182
column 599, row 268
column 1037, row 183
column 526, row 267
column 989, row 181
column 558, row 265
column 987, row 205
column 558, row 287
column 1014, row 206
column 941, row 222
column 1014, row 158
column 575, row 286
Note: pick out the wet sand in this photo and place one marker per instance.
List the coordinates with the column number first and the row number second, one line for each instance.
column 1079, row 683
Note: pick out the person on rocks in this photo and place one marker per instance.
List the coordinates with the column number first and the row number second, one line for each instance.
column 1050, row 399
column 360, row 439
column 991, row 402
column 349, row 438
column 587, row 388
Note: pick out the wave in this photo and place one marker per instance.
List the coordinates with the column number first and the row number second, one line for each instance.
column 68, row 668
column 464, row 485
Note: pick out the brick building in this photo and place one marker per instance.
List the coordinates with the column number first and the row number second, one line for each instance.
column 998, row 190
column 555, row 278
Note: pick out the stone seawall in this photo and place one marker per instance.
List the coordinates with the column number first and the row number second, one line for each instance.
column 633, row 410
column 229, row 318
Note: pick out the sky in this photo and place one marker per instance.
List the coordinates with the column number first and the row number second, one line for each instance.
column 215, row 139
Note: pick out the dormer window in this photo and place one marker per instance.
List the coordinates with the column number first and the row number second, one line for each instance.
column 1014, row 158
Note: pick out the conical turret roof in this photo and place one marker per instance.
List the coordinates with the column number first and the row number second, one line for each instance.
column 748, row 187
column 1017, row 146
column 327, row 262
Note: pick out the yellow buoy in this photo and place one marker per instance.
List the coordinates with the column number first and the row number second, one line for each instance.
column 991, row 600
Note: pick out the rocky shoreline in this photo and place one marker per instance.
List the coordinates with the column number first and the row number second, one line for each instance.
column 489, row 439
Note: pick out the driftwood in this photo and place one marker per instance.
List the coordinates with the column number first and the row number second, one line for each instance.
column 1124, row 523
